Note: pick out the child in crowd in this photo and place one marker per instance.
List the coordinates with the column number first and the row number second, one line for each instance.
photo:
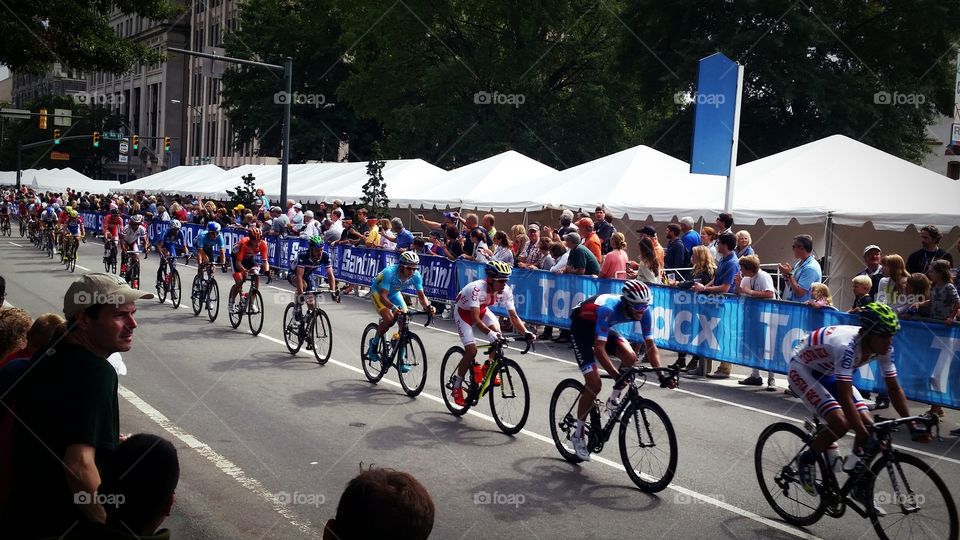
column 820, row 296
column 861, row 292
column 944, row 301
column 918, row 297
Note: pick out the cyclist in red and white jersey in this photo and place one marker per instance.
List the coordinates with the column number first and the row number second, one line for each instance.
column 471, row 312
column 112, row 223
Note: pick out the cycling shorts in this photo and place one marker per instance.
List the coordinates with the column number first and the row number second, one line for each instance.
column 171, row 248
column 465, row 329
column 246, row 263
column 582, row 336
column 817, row 390
column 396, row 299
column 74, row 229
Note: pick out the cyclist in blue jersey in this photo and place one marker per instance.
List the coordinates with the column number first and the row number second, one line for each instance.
column 386, row 297
column 594, row 340
column 173, row 241
column 308, row 263
column 206, row 243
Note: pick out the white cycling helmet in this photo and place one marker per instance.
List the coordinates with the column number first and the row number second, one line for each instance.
column 636, row 292
column 409, row 258
column 136, row 218
column 175, row 224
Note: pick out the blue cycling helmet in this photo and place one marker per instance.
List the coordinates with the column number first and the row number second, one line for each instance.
column 213, row 226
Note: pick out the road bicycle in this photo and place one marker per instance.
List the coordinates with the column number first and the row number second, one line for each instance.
column 312, row 327
column 648, row 443
column 403, row 351
column 49, row 241
column 110, row 248
column 205, row 293
column 509, row 396
column 70, row 252
column 130, row 268
column 24, row 225
column 248, row 302
column 901, row 495
column 168, row 281
column 5, row 229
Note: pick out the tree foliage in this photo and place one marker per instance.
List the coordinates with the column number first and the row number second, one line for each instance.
column 245, row 194
column 375, row 188
column 38, row 33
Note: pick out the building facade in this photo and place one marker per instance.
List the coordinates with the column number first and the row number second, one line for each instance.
column 59, row 80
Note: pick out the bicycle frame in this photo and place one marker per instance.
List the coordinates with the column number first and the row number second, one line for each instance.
column 496, row 351
column 402, row 320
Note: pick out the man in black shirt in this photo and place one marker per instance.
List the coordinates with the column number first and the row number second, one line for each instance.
column 920, row 260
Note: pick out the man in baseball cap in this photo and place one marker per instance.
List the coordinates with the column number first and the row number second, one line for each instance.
column 68, row 411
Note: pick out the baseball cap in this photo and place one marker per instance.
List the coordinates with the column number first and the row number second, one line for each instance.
column 573, row 237
column 533, row 227
column 687, row 220
column 647, row 230
column 298, row 206
column 585, row 222
column 871, row 247
column 98, row 288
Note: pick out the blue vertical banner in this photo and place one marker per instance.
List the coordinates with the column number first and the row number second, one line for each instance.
column 715, row 105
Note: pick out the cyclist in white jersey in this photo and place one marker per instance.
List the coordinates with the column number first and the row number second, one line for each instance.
column 821, row 374
column 471, row 311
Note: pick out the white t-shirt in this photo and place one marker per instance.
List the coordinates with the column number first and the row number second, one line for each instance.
column 759, row 283
column 560, row 264
column 311, row 229
column 475, row 295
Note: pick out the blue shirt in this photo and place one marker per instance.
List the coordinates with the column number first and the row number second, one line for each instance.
column 728, row 267
column 404, row 240
column 606, row 310
column 806, row 272
column 204, row 242
column 691, row 239
column 389, row 280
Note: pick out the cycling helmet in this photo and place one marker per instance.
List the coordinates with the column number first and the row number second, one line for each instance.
column 175, row 224
column 877, row 318
column 72, row 213
column 255, row 234
column 498, row 270
column 49, row 210
column 316, row 241
column 410, row 259
column 68, row 208
column 136, row 218
column 213, row 226
column 636, row 292
column 115, row 211
column 56, row 207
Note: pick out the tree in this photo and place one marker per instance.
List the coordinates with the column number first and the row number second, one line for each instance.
column 878, row 72
column 375, row 188
column 309, row 31
column 245, row 194
column 38, row 33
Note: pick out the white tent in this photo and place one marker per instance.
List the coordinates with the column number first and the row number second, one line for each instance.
column 405, row 179
column 58, row 180
column 164, row 181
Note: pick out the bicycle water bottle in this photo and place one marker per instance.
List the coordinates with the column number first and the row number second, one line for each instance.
column 834, row 459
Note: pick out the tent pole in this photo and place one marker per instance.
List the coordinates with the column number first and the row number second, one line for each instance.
column 828, row 244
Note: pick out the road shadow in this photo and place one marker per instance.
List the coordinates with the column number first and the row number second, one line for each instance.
column 267, row 360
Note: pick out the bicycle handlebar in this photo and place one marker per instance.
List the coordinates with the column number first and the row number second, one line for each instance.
column 509, row 339
column 884, row 426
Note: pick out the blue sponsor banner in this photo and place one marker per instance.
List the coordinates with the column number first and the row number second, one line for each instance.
column 358, row 265
column 361, row 265
column 92, row 221
column 745, row 331
column 715, row 104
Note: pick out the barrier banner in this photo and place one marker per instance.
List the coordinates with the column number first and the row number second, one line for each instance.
column 92, row 221
column 361, row 265
column 745, row 331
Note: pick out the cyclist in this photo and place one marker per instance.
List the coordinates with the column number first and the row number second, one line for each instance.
column 112, row 224
column 471, row 312
column 248, row 250
column 594, row 341
column 48, row 219
column 4, row 212
column 387, row 300
column 131, row 236
column 206, row 243
column 62, row 218
column 73, row 227
column 173, row 241
column 308, row 262
column 821, row 374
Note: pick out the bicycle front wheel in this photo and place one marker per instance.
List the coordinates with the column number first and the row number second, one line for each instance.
column 912, row 499
column 255, row 311
column 374, row 371
column 563, row 417
column 291, row 329
column 196, row 295
column 236, row 315
column 448, row 368
column 412, row 357
column 648, row 446
column 322, row 335
column 161, row 286
column 175, row 288
column 775, row 459
column 213, row 300
column 74, row 248
column 510, row 402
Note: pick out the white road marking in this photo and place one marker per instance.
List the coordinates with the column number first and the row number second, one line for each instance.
column 16, row 244
column 618, row 466
column 221, row 462
column 84, row 268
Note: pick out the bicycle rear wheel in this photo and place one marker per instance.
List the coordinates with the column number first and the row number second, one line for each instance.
column 175, row 288
column 563, row 417
column 161, row 286
column 291, row 329
column 197, row 294
column 213, row 300
column 448, row 368
column 913, row 498
column 648, row 446
column 374, row 371
column 322, row 335
column 775, row 459
column 510, row 402
column 72, row 261
column 414, row 357
column 135, row 272
column 255, row 311
column 236, row 315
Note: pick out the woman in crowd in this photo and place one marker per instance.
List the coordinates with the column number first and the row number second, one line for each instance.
column 14, row 325
column 647, row 268
column 615, row 262
column 708, row 237
column 502, row 250
column 704, row 267
column 546, row 261
column 744, row 244
column 892, row 289
column 519, row 239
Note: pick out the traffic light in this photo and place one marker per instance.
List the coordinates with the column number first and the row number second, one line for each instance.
column 166, row 144
column 43, row 119
column 96, row 139
column 56, row 136
column 135, row 142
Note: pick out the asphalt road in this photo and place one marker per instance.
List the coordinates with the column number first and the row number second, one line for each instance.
column 268, row 440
